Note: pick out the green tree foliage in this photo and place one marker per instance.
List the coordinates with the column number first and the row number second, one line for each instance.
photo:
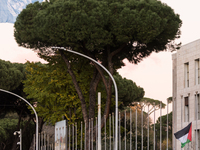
column 164, row 129
column 11, row 76
column 129, row 92
column 52, row 90
column 108, row 31
column 149, row 102
column 8, row 127
column 139, row 123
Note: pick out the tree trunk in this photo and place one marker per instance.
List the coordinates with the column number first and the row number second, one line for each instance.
column 40, row 125
column 92, row 97
column 92, row 92
column 77, row 87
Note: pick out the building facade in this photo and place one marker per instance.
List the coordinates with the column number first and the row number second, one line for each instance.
column 186, row 93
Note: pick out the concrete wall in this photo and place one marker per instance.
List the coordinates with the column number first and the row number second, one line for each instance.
column 187, row 54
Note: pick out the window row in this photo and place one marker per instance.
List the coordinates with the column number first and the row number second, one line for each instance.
column 197, row 73
column 187, row 108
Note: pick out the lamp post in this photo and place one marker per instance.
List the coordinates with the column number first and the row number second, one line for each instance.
column 33, row 110
column 20, row 136
column 115, row 86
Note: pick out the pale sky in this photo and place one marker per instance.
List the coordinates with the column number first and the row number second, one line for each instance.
column 154, row 73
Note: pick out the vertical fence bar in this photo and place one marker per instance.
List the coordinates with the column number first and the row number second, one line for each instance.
column 173, row 117
column 99, row 121
column 196, row 108
column 167, row 125
column 76, row 134
column 125, row 130
column 105, row 130
column 142, row 126
column 181, row 113
column 160, row 125
column 92, row 121
column 81, row 135
column 130, row 129
column 113, row 120
column 154, row 140
column 119, row 132
column 69, row 137
column 39, row 141
column 89, row 135
column 85, row 136
column 96, row 134
column 72, row 136
column 110, row 129
column 66, row 138
column 148, row 130
column 136, row 128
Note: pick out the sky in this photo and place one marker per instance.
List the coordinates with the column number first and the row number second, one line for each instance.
column 154, row 73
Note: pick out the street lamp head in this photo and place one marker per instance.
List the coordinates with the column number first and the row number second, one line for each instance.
column 17, row 132
column 55, row 47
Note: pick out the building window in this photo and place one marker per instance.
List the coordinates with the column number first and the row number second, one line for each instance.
column 198, row 106
column 186, row 109
column 197, row 72
column 198, row 139
column 186, row 68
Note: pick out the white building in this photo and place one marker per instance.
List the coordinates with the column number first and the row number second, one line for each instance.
column 186, row 93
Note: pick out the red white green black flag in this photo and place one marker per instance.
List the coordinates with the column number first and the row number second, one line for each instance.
column 184, row 135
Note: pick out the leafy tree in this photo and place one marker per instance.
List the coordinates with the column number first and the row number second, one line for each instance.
column 55, row 96
column 51, row 89
column 11, row 76
column 132, row 123
column 145, row 102
column 128, row 92
column 8, row 127
column 108, row 31
column 164, row 129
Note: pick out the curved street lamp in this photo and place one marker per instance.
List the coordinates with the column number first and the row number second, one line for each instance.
column 115, row 86
column 33, row 110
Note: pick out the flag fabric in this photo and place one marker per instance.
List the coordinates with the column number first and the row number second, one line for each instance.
column 184, row 135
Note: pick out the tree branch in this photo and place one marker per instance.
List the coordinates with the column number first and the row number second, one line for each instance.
column 77, row 87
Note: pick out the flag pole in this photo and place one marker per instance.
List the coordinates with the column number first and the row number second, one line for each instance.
column 173, row 125
column 136, row 128
column 130, row 128
column 148, row 131
column 181, row 113
column 196, row 118
column 167, row 124
column 142, row 127
column 154, row 140
column 160, row 125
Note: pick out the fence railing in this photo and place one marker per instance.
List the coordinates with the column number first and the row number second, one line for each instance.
column 135, row 131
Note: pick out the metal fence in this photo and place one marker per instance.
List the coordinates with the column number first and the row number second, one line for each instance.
column 135, row 131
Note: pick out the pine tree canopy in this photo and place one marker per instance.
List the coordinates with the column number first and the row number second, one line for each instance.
column 131, row 29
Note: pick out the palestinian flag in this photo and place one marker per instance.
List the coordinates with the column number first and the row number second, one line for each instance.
column 184, row 135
